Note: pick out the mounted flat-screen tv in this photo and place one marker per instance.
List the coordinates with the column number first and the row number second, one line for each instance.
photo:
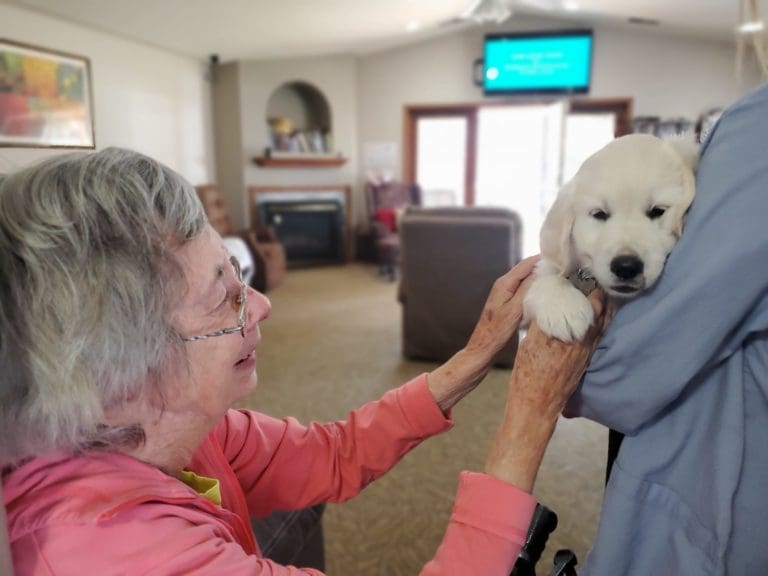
column 551, row 62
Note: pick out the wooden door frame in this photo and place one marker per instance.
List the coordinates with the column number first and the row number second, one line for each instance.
column 413, row 114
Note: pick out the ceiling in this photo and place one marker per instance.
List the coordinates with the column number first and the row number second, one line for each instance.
column 254, row 29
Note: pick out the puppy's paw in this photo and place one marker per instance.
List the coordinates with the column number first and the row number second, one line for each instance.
column 559, row 308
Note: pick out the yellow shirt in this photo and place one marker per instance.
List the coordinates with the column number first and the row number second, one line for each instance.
column 207, row 487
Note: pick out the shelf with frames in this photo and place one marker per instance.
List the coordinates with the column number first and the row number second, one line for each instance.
column 300, row 161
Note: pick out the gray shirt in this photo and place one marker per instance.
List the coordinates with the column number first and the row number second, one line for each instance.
column 683, row 372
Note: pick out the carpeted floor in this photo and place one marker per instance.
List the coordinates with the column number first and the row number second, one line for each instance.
column 332, row 343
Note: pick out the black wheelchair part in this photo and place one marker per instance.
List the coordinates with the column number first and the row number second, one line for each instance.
column 543, row 523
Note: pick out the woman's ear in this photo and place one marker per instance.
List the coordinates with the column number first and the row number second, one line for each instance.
column 555, row 235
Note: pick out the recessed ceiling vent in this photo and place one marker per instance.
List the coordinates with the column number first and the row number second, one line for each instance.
column 643, row 21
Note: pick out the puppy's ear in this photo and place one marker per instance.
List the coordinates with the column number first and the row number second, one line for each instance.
column 555, row 235
column 688, row 152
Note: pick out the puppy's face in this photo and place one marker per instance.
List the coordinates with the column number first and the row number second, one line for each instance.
column 628, row 203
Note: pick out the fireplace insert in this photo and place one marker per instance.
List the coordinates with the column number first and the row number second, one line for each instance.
column 312, row 231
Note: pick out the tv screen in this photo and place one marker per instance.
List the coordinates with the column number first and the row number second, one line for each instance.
column 538, row 62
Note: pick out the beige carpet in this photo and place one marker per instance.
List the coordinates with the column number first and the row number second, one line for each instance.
column 332, row 343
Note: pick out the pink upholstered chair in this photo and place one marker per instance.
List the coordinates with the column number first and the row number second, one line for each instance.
column 387, row 202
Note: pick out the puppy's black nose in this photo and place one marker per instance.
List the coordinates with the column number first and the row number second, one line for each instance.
column 626, row 267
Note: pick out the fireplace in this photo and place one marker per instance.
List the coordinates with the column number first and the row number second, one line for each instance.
column 312, row 224
column 312, row 232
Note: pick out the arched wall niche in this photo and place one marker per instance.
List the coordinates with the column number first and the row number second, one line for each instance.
column 299, row 119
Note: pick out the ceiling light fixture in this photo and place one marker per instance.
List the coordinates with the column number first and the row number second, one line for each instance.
column 482, row 11
column 413, row 25
column 643, row 21
column 751, row 27
column 570, row 5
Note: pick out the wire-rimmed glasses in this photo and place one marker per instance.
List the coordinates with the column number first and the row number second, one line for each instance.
column 238, row 301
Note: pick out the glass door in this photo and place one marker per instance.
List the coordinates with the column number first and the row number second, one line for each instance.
column 518, row 162
column 585, row 134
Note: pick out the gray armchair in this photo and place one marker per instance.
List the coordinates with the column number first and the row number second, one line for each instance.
column 450, row 258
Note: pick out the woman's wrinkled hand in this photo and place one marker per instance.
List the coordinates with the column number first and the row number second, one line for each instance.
column 499, row 321
column 503, row 310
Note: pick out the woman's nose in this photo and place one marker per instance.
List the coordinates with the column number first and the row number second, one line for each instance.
column 259, row 306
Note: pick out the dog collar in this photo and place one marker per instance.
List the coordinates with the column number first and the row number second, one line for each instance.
column 583, row 281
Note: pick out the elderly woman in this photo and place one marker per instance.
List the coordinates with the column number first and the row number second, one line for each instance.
column 127, row 333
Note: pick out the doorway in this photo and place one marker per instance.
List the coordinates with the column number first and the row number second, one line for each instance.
column 510, row 155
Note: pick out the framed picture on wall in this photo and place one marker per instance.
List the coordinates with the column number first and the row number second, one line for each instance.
column 45, row 98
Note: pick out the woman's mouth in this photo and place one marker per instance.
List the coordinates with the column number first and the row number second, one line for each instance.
column 248, row 361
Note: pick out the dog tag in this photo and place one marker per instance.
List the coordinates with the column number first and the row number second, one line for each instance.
column 583, row 281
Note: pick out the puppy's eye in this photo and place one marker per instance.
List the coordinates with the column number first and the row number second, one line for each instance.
column 599, row 214
column 655, row 212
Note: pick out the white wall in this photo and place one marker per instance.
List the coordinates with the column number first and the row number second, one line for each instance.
column 228, row 135
column 665, row 75
column 147, row 99
column 336, row 78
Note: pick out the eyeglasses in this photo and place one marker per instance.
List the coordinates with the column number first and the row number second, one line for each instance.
column 238, row 303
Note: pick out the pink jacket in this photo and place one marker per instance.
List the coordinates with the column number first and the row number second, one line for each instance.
column 107, row 513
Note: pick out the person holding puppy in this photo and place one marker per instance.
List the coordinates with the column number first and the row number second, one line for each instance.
column 126, row 335
column 683, row 372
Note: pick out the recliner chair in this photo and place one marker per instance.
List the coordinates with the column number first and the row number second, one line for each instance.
column 268, row 253
column 450, row 258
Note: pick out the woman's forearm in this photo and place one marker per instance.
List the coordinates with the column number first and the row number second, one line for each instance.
column 453, row 380
column 519, row 445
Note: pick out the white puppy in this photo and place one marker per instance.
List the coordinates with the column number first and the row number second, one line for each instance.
column 616, row 221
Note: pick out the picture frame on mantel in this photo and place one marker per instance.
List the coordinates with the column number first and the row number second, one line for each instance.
column 45, row 98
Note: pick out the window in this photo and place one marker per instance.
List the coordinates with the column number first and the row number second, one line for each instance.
column 518, row 162
column 585, row 134
column 441, row 160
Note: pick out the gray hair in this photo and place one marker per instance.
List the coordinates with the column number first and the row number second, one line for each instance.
column 87, row 278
